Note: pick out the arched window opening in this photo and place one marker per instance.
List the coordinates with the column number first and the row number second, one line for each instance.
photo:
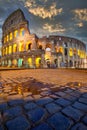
column 70, row 63
column 20, row 62
column 11, row 36
column 14, row 48
column 40, row 47
column 48, row 53
column 65, row 52
column 70, row 52
column 21, row 47
column 30, row 63
column 10, row 49
column 60, row 49
column 22, row 31
column 29, row 46
column 15, row 33
column 65, row 44
column 38, row 62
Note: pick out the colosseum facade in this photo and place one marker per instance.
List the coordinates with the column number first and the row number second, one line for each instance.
column 20, row 48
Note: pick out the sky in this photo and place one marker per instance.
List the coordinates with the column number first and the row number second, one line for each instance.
column 50, row 17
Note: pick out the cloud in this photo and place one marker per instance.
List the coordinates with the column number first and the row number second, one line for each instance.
column 30, row 3
column 54, row 28
column 41, row 11
column 79, row 24
column 81, row 14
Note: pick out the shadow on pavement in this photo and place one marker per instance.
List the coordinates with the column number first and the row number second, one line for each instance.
column 33, row 105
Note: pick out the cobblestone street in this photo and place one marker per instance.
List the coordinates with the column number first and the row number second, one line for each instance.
column 47, row 99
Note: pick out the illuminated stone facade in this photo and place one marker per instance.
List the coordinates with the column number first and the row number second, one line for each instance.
column 22, row 49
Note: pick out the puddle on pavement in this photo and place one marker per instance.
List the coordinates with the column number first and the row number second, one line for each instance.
column 20, row 88
column 33, row 86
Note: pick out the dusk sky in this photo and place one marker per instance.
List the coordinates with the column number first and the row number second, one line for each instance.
column 50, row 17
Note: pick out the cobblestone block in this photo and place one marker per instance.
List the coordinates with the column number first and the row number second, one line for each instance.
column 85, row 95
column 62, row 94
column 42, row 126
column 76, row 94
column 25, row 94
column 54, row 96
column 70, row 98
column 15, row 97
column 30, row 106
column 37, row 96
column 3, row 106
column 13, row 93
column 16, row 102
column 83, row 100
column 44, row 89
column 36, row 115
column 28, row 99
column 59, row 122
column 52, row 108
column 79, row 126
column 19, row 123
column 63, row 102
column 43, row 101
column 45, row 93
column 80, row 106
column 85, row 119
column 68, row 90
column 12, row 112
column 73, row 113
column 1, row 128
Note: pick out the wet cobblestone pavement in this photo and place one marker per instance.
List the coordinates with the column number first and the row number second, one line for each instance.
column 29, row 104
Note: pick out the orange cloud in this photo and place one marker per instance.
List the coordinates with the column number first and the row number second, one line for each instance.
column 42, row 11
column 52, row 28
column 79, row 24
column 81, row 14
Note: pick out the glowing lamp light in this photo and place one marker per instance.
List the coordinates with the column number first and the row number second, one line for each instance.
column 48, row 49
column 79, row 84
column 71, row 52
column 38, row 59
column 30, row 62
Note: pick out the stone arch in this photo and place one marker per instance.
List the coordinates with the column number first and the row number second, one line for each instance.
column 40, row 47
column 30, row 62
column 14, row 62
column 21, row 46
column 28, row 46
column 9, row 62
column 38, row 62
column 15, row 48
column 20, row 62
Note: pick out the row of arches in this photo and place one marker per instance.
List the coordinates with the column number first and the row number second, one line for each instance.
column 22, row 63
column 13, row 35
column 64, row 50
column 16, row 48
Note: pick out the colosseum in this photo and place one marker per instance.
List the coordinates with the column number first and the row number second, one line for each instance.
column 20, row 48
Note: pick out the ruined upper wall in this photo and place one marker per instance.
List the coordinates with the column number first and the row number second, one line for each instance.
column 13, row 20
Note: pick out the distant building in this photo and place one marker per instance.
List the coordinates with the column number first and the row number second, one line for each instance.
column 22, row 49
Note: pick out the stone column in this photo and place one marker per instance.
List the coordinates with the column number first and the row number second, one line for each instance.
column 42, row 61
column 33, row 62
column 33, row 46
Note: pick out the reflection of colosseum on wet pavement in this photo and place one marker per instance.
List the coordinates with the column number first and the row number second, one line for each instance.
column 22, row 49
